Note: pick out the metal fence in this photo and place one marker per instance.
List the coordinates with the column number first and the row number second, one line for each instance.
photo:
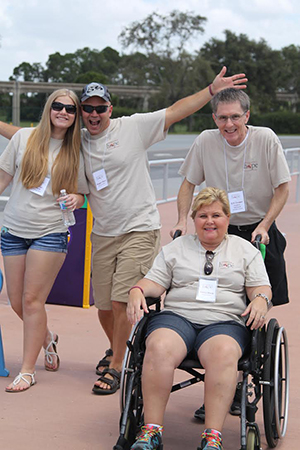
column 292, row 156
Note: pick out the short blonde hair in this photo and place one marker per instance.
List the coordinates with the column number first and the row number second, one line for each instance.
column 208, row 196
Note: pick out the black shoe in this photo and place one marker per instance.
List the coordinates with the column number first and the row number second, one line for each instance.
column 200, row 413
column 235, row 408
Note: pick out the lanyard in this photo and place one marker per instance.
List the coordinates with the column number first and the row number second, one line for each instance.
column 244, row 162
column 89, row 150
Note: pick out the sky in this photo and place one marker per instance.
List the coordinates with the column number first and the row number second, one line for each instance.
column 31, row 30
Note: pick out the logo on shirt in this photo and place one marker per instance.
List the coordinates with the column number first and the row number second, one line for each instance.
column 251, row 166
column 113, row 144
column 226, row 264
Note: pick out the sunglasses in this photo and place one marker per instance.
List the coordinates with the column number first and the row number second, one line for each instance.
column 99, row 109
column 208, row 266
column 57, row 106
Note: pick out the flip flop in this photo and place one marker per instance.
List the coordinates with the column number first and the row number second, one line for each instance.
column 20, row 378
column 104, row 362
column 49, row 354
column 113, row 383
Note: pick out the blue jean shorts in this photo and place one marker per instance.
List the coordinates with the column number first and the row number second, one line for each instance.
column 12, row 245
column 195, row 335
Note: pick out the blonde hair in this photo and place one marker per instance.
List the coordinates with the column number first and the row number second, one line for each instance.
column 208, row 196
column 64, row 172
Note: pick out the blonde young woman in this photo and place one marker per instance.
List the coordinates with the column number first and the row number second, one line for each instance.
column 39, row 162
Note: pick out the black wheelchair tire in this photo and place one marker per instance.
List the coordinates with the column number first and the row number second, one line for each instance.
column 268, row 386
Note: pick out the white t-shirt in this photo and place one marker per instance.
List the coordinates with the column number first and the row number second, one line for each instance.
column 27, row 214
column 128, row 202
column 265, row 168
column 237, row 263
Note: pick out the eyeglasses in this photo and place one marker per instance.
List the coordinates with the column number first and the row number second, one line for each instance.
column 57, row 106
column 99, row 109
column 208, row 266
column 233, row 118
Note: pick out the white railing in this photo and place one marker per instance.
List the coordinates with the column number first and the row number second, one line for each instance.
column 293, row 159
column 292, row 156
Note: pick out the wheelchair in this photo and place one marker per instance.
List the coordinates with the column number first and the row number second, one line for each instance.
column 265, row 373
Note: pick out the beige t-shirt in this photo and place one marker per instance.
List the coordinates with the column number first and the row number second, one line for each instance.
column 128, row 202
column 237, row 264
column 27, row 214
column 265, row 168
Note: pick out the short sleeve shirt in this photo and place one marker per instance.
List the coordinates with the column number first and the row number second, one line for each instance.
column 260, row 157
column 237, row 263
column 128, row 203
column 26, row 213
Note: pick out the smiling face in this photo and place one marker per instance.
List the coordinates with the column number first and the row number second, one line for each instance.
column 211, row 225
column 234, row 131
column 94, row 122
column 61, row 120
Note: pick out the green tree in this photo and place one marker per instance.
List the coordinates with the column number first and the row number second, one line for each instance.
column 164, row 40
column 28, row 72
column 257, row 60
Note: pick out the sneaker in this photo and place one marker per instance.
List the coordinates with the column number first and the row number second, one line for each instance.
column 149, row 439
column 235, row 408
column 200, row 413
column 211, row 439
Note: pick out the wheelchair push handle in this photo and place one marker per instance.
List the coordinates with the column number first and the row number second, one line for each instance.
column 261, row 247
column 177, row 234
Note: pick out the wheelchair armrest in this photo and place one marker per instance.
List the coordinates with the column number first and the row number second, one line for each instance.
column 153, row 301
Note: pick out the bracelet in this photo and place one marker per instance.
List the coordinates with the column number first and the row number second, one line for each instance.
column 136, row 287
column 210, row 90
column 269, row 303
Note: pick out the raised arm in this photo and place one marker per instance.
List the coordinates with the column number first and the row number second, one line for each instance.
column 7, row 130
column 184, row 201
column 189, row 105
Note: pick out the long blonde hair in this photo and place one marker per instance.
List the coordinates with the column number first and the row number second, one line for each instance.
column 64, row 172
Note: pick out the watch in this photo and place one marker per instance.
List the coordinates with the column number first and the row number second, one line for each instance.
column 269, row 303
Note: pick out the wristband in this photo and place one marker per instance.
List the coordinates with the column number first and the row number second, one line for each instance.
column 210, row 90
column 136, row 287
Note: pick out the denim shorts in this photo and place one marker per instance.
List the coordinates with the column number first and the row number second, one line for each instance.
column 13, row 245
column 195, row 335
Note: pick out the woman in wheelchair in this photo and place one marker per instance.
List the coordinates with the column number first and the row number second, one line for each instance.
column 207, row 277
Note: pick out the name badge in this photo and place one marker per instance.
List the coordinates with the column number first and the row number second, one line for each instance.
column 42, row 188
column 100, row 179
column 207, row 289
column 236, row 202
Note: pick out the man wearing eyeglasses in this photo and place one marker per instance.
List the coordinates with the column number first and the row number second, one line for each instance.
column 249, row 164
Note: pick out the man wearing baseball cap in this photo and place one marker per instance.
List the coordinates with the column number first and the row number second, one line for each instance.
column 126, row 231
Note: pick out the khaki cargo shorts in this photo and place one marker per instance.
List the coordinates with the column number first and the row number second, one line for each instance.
column 119, row 262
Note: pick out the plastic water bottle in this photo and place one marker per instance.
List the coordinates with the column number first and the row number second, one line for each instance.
column 67, row 215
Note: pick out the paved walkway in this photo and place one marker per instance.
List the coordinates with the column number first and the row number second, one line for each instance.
column 61, row 413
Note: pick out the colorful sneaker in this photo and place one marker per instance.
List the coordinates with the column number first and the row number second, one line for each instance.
column 149, row 439
column 211, row 439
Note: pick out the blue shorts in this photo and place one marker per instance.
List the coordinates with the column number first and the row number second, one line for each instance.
column 195, row 335
column 13, row 245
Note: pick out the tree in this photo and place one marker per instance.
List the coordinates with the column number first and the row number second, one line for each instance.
column 261, row 64
column 163, row 40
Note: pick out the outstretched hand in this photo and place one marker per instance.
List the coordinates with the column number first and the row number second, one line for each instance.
column 235, row 81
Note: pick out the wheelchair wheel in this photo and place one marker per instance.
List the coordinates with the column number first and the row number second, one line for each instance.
column 253, row 439
column 275, row 383
column 131, row 398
